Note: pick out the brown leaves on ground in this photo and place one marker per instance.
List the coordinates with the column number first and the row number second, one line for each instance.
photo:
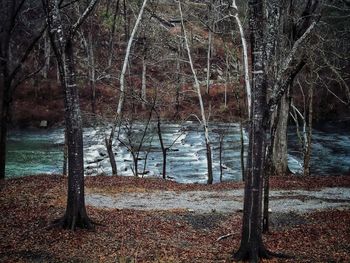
column 28, row 205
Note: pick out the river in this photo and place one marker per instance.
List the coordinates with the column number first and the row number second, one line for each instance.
column 40, row 151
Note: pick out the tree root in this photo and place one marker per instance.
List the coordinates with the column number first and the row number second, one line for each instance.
column 254, row 256
column 73, row 223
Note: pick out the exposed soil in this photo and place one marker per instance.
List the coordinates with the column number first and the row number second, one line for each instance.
column 227, row 201
column 28, row 205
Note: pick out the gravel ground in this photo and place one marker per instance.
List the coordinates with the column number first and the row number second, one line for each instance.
column 282, row 201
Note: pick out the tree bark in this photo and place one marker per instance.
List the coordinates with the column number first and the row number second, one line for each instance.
column 245, row 57
column 144, row 82
column 126, row 59
column 252, row 247
column 308, row 148
column 162, row 146
column 280, row 143
column 75, row 215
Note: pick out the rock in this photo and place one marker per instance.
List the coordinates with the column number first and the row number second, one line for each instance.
column 43, row 124
column 102, row 152
column 96, row 160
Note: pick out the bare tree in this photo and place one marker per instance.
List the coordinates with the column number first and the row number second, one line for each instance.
column 62, row 41
column 204, row 122
column 118, row 116
column 252, row 247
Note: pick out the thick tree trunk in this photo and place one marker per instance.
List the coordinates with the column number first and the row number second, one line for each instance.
column 252, row 247
column 280, row 144
column 75, row 215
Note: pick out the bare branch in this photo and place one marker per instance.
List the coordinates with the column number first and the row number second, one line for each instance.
column 82, row 18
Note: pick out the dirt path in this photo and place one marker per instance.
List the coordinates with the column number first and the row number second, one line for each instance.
column 282, row 201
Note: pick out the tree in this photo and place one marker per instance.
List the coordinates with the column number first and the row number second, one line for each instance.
column 290, row 20
column 15, row 25
column 118, row 115
column 252, row 247
column 204, row 121
column 62, row 35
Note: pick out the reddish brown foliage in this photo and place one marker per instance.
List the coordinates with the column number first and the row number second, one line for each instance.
column 28, row 205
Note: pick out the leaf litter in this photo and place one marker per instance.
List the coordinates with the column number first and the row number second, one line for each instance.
column 29, row 204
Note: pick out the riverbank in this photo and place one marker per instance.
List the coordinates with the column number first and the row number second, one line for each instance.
column 131, row 234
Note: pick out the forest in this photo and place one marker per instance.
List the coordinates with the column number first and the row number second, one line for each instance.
column 174, row 131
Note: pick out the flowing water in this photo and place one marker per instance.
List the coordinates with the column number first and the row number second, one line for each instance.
column 40, row 151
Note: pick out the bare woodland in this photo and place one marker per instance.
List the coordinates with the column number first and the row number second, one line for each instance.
column 265, row 64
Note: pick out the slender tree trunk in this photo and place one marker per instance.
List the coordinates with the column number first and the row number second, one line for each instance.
column 221, row 141
column 47, row 52
column 91, row 58
column 208, row 59
column 126, row 59
column 308, row 148
column 111, row 36
column 242, row 148
column 198, row 89
column 245, row 57
column 252, row 247
column 164, row 150
column 143, row 83
column 109, row 147
column 178, row 79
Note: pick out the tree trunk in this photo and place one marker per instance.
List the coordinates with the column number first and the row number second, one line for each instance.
column 204, row 122
column 208, row 59
column 279, row 151
column 126, row 59
column 47, row 52
column 245, row 58
column 164, row 150
column 252, row 247
column 5, row 118
column 307, row 151
column 75, row 215
column 65, row 155
column 109, row 147
column 91, row 58
column 62, row 43
column 143, row 84
column 111, row 36
column 221, row 140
